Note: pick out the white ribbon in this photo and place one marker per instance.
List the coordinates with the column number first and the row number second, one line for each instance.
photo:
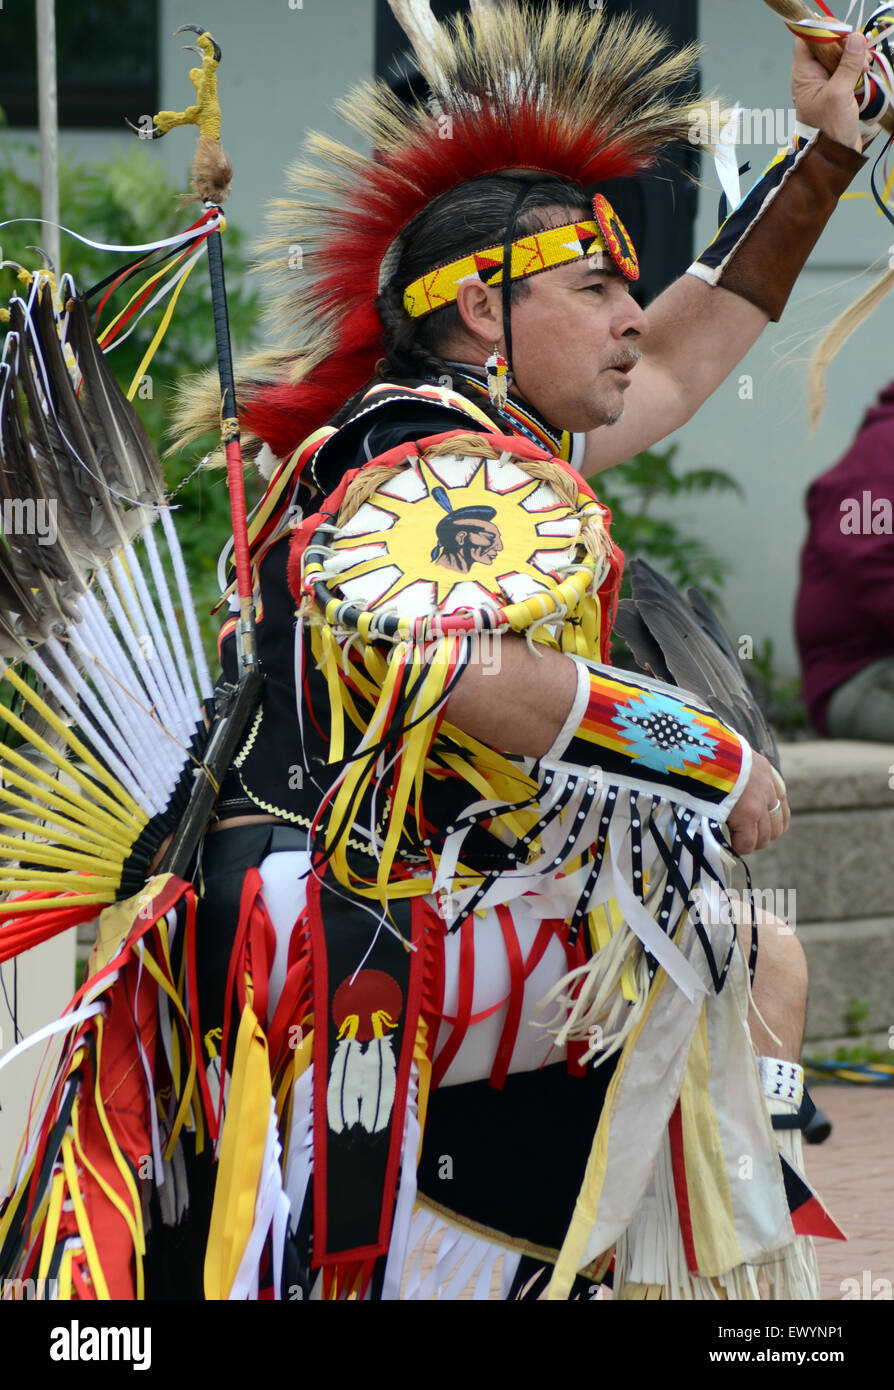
column 726, row 159
column 212, row 225
column 59, row 1025
column 668, row 956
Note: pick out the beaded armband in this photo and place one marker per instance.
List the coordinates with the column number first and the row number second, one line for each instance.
column 652, row 737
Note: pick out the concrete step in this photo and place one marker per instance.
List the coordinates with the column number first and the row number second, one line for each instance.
column 838, row 855
column 849, row 962
column 838, row 774
column 840, row 864
column 834, row 873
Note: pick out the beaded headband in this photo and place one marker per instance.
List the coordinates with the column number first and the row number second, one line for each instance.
column 531, row 254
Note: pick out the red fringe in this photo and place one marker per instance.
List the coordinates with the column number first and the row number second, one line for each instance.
column 18, row 934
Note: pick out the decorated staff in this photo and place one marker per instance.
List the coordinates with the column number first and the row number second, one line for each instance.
column 827, row 36
column 211, row 178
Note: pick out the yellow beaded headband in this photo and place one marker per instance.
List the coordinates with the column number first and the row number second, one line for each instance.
column 530, row 255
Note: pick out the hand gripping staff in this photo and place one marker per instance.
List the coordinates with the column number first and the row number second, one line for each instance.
column 826, row 36
column 875, row 95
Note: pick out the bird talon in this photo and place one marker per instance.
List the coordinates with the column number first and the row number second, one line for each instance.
column 47, row 268
column 202, row 33
column 205, row 111
column 145, row 132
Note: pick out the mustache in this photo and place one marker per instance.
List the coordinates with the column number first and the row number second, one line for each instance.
column 627, row 358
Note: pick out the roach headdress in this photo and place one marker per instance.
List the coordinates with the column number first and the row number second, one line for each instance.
column 555, row 91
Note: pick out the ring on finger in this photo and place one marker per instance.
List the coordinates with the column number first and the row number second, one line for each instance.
column 776, row 810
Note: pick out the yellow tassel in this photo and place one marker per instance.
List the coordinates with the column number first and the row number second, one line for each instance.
column 835, row 339
column 89, row 820
column 133, row 1216
column 84, row 1229
column 51, row 1228
column 242, row 1147
column 159, row 333
column 423, row 1063
column 121, row 803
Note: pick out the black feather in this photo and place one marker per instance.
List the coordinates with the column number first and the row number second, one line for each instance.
column 70, row 443
column 697, row 654
column 136, row 471
column 85, row 444
column 709, row 621
column 643, row 648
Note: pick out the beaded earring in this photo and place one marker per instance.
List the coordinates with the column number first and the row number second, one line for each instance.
column 497, row 369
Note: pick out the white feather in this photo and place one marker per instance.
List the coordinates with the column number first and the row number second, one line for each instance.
column 267, row 462
column 362, row 1085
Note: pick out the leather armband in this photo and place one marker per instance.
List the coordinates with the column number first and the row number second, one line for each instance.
column 761, row 248
column 655, row 738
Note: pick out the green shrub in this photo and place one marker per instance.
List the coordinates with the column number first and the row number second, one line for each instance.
column 634, row 492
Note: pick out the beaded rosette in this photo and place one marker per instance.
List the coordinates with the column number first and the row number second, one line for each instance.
column 462, row 538
column 422, row 559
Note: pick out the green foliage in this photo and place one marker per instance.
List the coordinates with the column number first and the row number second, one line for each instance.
column 635, row 490
column 861, row 1054
column 778, row 696
column 856, row 1014
column 127, row 200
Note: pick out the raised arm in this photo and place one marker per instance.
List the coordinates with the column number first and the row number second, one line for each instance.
column 705, row 322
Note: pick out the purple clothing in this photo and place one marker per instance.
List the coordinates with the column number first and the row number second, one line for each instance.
column 844, row 617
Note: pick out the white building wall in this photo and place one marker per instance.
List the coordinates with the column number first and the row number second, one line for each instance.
column 40, row 984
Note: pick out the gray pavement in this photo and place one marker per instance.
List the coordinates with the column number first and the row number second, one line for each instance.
column 853, row 1172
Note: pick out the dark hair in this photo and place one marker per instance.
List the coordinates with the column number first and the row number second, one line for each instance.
column 447, row 528
column 468, row 218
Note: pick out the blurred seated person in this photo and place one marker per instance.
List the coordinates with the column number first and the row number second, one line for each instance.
column 844, row 616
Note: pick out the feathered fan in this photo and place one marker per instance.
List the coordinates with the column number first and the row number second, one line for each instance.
column 103, row 700
column 684, row 644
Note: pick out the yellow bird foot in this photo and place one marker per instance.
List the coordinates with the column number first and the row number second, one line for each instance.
column 205, row 111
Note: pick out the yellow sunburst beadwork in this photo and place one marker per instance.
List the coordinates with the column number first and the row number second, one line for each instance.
column 472, row 532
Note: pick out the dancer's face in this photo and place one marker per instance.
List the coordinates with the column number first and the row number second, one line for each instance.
column 574, row 345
